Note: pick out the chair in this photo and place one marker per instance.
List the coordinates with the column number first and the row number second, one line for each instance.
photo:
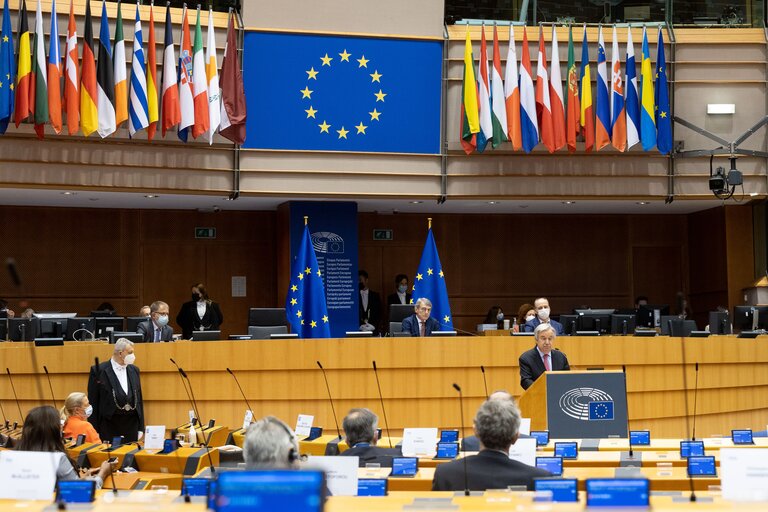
column 263, row 332
column 266, row 317
column 395, row 327
column 399, row 312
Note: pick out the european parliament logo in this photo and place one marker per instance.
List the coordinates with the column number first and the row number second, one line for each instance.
column 587, row 404
column 601, row 411
column 334, row 93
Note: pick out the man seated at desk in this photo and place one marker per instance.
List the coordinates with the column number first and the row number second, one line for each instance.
column 542, row 357
column 420, row 323
column 270, row 444
column 497, row 425
column 542, row 317
column 360, row 429
column 156, row 328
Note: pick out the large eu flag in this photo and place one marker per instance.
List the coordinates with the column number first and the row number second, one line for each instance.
column 338, row 93
column 663, row 119
column 430, row 284
column 7, row 70
column 305, row 304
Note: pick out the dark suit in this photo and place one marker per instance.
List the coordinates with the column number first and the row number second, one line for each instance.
column 411, row 325
column 531, row 326
column 190, row 321
column 488, row 469
column 148, row 330
column 373, row 454
column 371, row 314
column 531, row 365
column 395, row 299
column 106, row 395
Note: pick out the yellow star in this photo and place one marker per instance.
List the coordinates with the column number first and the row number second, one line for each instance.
column 429, row 271
column 301, row 276
column 375, row 115
column 326, row 60
column 324, row 127
column 410, row 301
column 663, row 114
column 311, row 112
column 294, row 288
column 363, row 62
column 342, row 133
column 345, row 56
column 441, row 274
column 1, row 85
column 446, row 319
column 11, row 86
column 306, row 93
column 313, row 323
column 419, row 277
column 312, row 73
column 325, row 319
column 379, row 95
column 298, row 314
column 318, row 273
column 5, row 39
column 307, row 270
column 376, row 76
column 302, row 321
column 361, row 128
column 293, row 302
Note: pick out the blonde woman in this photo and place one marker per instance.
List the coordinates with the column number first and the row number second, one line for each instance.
column 74, row 416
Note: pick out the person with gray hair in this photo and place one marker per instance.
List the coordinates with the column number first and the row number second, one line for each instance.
column 269, row 443
column 156, row 329
column 360, row 428
column 114, row 392
column 541, row 358
column 497, row 425
column 421, row 323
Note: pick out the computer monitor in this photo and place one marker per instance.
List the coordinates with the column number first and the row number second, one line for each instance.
column 132, row 322
column 399, row 312
column 49, row 342
column 596, row 322
column 623, row 324
column 604, row 311
column 135, row 337
column 102, row 312
column 54, row 327
column 744, row 318
column 206, row 335
column 719, row 322
column 23, row 329
column 649, row 315
column 103, row 325
column 569, row 324
column 79, row 328
column 267, row 316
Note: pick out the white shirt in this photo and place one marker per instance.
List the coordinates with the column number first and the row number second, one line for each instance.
column 121, row 373
column 401, row 296
column 364, row 299
column 201, row 307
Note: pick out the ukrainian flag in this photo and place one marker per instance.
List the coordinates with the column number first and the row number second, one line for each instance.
column 647, row 117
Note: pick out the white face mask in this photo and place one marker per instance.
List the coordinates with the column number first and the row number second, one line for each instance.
column 499, row 316
column 130, row 359
column 88, row 411
column 529, row 318
column 544, row 314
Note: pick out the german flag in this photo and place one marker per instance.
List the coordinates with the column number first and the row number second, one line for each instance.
column 23, row 67
column 89, row 113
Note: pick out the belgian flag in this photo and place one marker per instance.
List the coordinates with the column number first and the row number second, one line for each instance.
column 23, row 67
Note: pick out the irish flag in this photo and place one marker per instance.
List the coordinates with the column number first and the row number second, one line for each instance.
column 199, row 83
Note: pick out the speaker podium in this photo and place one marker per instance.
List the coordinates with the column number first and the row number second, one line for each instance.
column 578, row 405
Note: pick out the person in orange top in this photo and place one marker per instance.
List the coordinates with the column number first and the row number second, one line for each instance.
column 74, row 417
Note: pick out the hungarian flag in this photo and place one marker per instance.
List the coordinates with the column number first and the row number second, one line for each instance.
column 199, row 83
column 38, row 85
column 151, row 73
column 556, row 95
column 119, row 72
column 470, row 119
column 543, row 106
column 572, row 103
column 186, row 96
column 138, row 117
column 54, row 73
column 618, row 112
column 233, row 110
column 89, row 89
column 23, row 68
column 498, row 110
column 528, row 122
column 512, row 94
column 631, row 97
column 484, row 96
column 71, row 75
column 603, row 124
column 587, row 116
column 105, row 79
column 212, row 75
column 170, row 101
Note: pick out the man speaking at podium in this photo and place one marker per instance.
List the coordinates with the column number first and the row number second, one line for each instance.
column 542, row 357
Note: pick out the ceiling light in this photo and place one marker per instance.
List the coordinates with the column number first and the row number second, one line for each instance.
column 568, row 202
column 416, row 202
column 493, row 202
column 642, row 203
column 721, row 108
column 68, row 193
column 151, row 196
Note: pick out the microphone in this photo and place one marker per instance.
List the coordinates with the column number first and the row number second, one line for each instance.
column 381, row 399
column 685, row 398
column 461, row 418
column 241, row 391
column 48, row 376
column 485, row 384
column 197, row 414
column 695, row 393
column 15, row 397
column 330, row 399
column 183, row 383
column 626, row 400
column 13, row 271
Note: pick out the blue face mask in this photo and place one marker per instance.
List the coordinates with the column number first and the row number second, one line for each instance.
column 402, row 288
column 162, row 320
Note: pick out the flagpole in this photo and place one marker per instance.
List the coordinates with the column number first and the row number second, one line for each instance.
column 306, row 219
column 429, row 222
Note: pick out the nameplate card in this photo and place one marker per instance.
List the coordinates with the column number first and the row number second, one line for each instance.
column 247, row 419
column 340, row 473
column 154, row 437
column 28, row 475
column 304, row 425
column 743, row 474
column 524, row 450
column 420, row 442
column 525, row 426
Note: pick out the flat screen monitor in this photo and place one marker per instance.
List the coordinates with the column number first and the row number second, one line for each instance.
column 552, row 464
column 75, row 491
column 561, row 489
column 701, row 465
column 744, row 318
column 23, row 329
column 569, row 324
column 542, row 437
column 617, row 492
column 605, row 311
column 743, row 436
column 719, row 322
column 206, row 335
column 135, row 337
column 443, row 333
column 103, row 325
column 132, row 322
column 567, row 449
column 3, row 327
column 691, row 449
column 372, row 487
column 195, row 486
column 596, row 322
column 650, row 315
column 405, row 466
column 102, row 312
column 54, row 327
column 79, row 328
column 269, row 490
column 49, row 342
column 623, row 324
column 449, row 436
column 447, row 450
column 358, row 334
column 399, row 312
column 640, row 437
column 267, row 316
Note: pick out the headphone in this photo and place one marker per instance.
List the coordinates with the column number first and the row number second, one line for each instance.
column 293, row 454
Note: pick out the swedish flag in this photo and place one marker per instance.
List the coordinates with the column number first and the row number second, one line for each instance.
column 430, row 284
column 305, row 304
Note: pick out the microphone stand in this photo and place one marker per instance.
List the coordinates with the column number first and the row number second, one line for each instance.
column 687, row 423
column 333, row 409
column 695, row 395
column 485, row 383
column 15, row 397
column 461, row 418
column 626, row 400
column 381, row 399
column 241, row 391
column 53, row 397
column 197, row 413
column 183, row 383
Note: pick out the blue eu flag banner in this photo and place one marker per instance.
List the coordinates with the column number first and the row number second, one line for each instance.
column 7, row 70
column 430, row 284
column 663, row 120
column 601, row 410
column 305, row 304
column 339, row 93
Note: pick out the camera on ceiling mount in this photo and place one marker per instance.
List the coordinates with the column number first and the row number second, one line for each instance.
column 723, row 184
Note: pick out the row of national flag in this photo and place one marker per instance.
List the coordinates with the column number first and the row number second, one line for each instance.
column 97, row 94
column 623, row 114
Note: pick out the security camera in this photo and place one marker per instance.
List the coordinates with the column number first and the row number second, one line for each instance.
column 718, row 181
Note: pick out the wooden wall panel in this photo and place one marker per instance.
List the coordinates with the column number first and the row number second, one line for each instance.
column 707, row 263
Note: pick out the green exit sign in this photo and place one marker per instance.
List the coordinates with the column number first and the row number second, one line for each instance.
column 382, row 234
column 209, row 233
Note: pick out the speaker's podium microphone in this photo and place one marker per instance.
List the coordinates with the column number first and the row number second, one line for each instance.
column 381, row 399
column 242, row 393
column 461, row 418
column 330, row 398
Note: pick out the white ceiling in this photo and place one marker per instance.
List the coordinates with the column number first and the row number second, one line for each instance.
column 89, row 199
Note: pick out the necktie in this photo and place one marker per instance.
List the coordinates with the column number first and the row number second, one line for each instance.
column 547, row 366
column 157, row 334
column 422, row 329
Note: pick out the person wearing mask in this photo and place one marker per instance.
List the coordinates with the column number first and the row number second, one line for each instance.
column 114, row 391
column 421, row 323
column 361, row 430
column 541, row 358
column 542, row 317
column 156, row 329
column 401, row 295
column 495, row 316
column 525, row 314
column 74, row 415
column 270, row 444
column 199, row 314
column 144, row 311
column 42, row 433
column 369, row 307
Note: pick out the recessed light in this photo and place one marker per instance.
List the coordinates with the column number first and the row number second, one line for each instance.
column 642, row 203
column 752, row 194
column 151, row 196
column 493, row 202
column 68, row 193
column 416, row 202
column 568, row 202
